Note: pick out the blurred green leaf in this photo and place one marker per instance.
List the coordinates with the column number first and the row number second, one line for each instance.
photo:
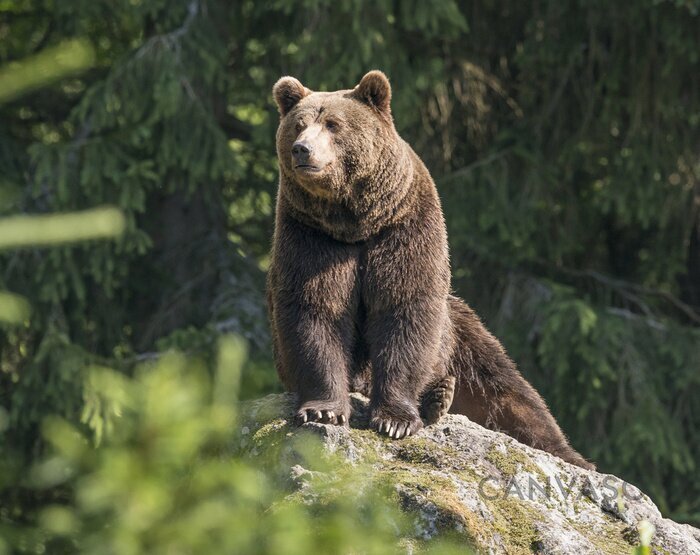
column 68, row 58
column 14, row 309
column 96, row 223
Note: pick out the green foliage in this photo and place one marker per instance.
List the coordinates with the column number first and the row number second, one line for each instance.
column 166, row 479
column 638, row 397
column 563, row 137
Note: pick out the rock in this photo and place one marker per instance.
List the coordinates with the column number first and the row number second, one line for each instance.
column 456, row 477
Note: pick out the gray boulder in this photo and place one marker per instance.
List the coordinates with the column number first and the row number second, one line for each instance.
column 457, row 477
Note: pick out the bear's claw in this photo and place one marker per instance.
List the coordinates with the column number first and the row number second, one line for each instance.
column 320, row 411
column 395, row 424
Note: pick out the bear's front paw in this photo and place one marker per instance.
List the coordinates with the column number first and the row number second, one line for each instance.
column 324, row 411
column 395, row 421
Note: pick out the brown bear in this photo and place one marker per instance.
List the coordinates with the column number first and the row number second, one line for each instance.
column 359, row 283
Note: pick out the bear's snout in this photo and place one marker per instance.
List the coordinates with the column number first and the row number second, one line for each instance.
column 301, row 152
column 311, row 152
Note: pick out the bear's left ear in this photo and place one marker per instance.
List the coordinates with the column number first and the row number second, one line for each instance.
column 374, row 89
column 287, row 92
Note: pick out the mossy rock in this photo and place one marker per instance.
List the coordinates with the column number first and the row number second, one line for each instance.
column 456, row 479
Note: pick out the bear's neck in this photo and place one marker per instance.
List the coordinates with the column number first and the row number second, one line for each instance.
column 382, row 199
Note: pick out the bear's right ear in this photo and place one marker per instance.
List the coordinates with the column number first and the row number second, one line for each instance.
column 287, row 92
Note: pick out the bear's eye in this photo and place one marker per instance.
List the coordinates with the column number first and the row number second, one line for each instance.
column 300, row 126
column 331, row 125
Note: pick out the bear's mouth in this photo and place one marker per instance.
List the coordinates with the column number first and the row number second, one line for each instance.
column 307, row 168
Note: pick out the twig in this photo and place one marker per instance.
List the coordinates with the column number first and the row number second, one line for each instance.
column 474, row 165
column 623, row 287
column 171, row 39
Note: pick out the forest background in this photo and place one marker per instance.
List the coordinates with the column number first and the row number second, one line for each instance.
column 564, row 138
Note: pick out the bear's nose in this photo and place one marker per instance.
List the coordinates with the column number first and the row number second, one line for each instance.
column 301, row 151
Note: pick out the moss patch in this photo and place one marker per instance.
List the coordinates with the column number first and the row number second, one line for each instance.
column 369, row 445
column 614, row 538
column 271, row 431
column 268, row 442
column 510, row 462
column 423, row 451
column 515, row 520
column 421, row 493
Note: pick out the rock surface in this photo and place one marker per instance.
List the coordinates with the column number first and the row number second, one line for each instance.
column 456, row 477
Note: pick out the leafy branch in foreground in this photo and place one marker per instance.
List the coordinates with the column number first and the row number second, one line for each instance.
column 167, row 479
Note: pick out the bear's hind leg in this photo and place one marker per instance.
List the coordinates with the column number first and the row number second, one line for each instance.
column 437, row 400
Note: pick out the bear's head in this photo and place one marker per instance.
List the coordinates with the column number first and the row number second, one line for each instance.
column 330, row 143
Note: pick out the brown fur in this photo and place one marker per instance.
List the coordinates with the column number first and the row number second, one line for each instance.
column 359, row 285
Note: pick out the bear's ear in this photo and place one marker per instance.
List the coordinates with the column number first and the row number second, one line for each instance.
column 287, row 92
column 374, row 89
